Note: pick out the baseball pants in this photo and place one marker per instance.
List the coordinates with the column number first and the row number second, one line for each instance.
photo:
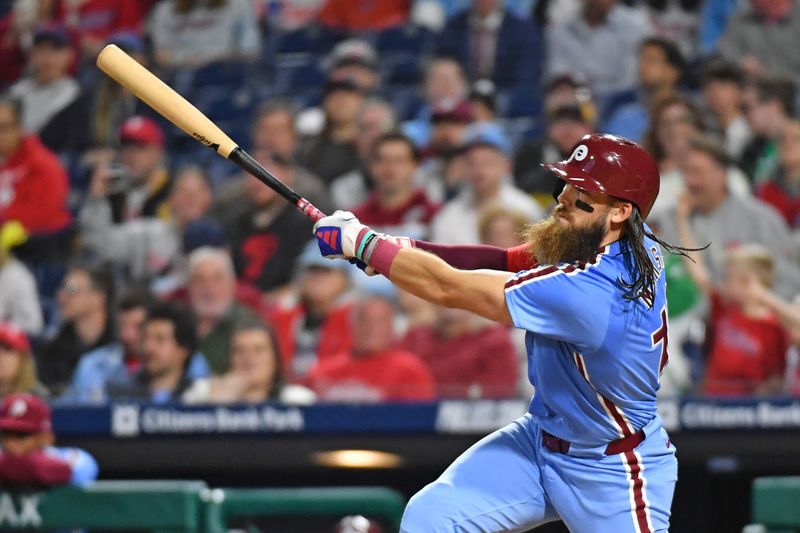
column 510, row 482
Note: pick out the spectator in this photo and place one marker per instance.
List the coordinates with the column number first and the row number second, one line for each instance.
column 17, row 369
column 255, row 374
column 33, row 184
column 191, row 33
column 374, row 371
column 483, row 101
column 212, row 296
column 468, row 356
column 714, row 19
column 268, row 236
column 762, row 39
column 676, row 21
column 168, row 341
column 444, row 81
column 17, row 23
column 94, row 21
column 316, row 326
column 351, row 189
column 568, row 90
column 723, row 92
column 355, row 59
column 566, row 125
column 396, row 206
column 728, row 220
column 674, row 124
column 53, row 105
column 502, row 228
column 600, row 46
column 449, row 122
column 491, row 42
column 29, row 458
column 85, row 302
column 769, row 102
column 19, row 299
column 490, row 184
column 355, row 15
column 661, row 67
column 332, row 152
column 121, row 359
column 144, row 247
column 782, row 190
column 748, row 344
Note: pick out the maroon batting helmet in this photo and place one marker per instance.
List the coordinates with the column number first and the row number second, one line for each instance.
column 614, row 166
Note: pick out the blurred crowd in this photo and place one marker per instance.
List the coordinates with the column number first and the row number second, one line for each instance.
column 136, row 264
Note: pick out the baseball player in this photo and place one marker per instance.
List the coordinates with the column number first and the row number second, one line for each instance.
column 591, row 450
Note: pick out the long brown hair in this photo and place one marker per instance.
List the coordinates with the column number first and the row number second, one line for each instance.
column 651, row 142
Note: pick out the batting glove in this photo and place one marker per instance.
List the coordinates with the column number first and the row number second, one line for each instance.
column 338, row 235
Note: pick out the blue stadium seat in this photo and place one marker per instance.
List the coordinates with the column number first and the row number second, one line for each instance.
column 406, row 38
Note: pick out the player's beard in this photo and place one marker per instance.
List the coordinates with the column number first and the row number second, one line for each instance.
column 553, row 242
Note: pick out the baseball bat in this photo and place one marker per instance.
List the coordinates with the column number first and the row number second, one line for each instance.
column 175, row 108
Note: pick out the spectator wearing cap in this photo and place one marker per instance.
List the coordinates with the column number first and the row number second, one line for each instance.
column 146, row 248
column 444, row 80
column 33, row 183
column 566, row 125
column 85, row 308
column 763, row 39
column 483, row 101
column 661, row 67
column 353, row 188
column 355, row 59
column 396, row 206
column 491, row 42
column 333, row 151
column 723, row 84
column 357, row 15
column 19, row 298
column 169, row 340
column 29, row 458
column 255, row 374
column 17, row 368
column 599, row 45
column 375, row 370
column 53, row 105
column 317, row 324
column 449, row 120
column 190, row 33
column 267, row 235
column 490, row 184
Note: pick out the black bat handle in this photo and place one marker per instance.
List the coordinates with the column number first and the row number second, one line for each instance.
column 246, row 161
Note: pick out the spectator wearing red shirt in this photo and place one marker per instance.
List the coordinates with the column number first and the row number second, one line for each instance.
column 375, row 371
column 396, row 206
column 33, row 184
column 747, row 341
column 318, row 325
column 356, row 15
column 783, row 190
column 468, row 356
column 93, row 21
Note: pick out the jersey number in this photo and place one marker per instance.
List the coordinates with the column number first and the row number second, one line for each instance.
column 660, row 336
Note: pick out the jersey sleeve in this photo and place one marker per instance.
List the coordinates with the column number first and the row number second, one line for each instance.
column 567, row 303
column 520, row 258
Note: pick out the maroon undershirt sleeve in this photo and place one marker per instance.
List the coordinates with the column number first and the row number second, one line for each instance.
column 467, row 256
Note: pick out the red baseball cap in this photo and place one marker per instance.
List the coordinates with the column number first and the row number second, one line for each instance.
column 13, row 337
column 25, row 413
column 141, row 130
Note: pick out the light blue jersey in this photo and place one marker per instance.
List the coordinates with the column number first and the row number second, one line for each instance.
column 594, row 357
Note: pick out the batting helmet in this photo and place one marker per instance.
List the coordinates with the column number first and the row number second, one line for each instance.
column 614, row 166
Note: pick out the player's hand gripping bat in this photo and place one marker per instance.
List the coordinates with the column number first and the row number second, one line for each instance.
column 175, row 108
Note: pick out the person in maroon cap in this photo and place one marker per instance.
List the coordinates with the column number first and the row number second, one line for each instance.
column 29, row 458
column 17, row 368
column 138, row 184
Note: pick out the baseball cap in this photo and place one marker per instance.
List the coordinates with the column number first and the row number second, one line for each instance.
column 311, row 257
column 54, row 34
column 486, row 134
column 24, row 413
column 570, row 112
column 352, row 52
column 485, row 91
column 141, row 130
column 13, row 337
column 451, row 110
column 129, row 41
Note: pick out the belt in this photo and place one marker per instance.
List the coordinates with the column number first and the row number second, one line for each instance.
column 625, row 444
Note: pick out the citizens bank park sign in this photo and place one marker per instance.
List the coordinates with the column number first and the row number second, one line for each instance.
column 129, row 420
